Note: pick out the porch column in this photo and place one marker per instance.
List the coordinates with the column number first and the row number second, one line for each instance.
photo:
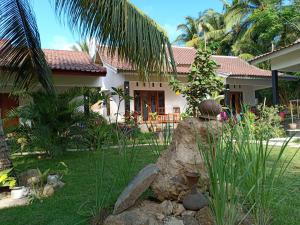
column 227, row 95
column 275, row 90
column 127, row 101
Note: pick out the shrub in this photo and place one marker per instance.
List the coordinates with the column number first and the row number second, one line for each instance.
column 267, row 125
column 46, row 120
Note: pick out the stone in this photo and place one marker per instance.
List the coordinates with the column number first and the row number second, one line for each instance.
column 136, row 188
column 190, row 220
column 30, row 178
column 178, row 209
column 204, row 216
column 188, row 213
column 144, row 214
column 167, row 207
column 48, row 190
column 195, row 201
column 173, row 221
column 183, row 156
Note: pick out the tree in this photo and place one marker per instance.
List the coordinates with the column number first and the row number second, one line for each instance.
column 117, row 24
column 5, row 162
column 190, row 32
column 84, row 46
column 202, row 82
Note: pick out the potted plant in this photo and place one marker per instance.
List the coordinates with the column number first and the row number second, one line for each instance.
column 6, row 181
column 282, row 113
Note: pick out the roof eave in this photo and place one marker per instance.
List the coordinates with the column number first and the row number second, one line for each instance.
column 274, row 54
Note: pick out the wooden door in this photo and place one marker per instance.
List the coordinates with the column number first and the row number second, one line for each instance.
column 236, row 101
column 7, row 103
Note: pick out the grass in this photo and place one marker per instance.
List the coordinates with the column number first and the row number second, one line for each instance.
column 64, row 207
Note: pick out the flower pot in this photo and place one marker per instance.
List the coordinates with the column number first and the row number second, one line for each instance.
column 18, row 192
column 282, row 116
column 293, row 126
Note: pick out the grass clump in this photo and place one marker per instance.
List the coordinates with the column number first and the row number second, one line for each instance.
column 244, row 175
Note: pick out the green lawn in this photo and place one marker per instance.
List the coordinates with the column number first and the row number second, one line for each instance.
column 73, row 204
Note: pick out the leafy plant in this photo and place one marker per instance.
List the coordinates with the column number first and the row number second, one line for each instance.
column 202, row 82
column 267, row 125
column 47, row 119
column 6, row 180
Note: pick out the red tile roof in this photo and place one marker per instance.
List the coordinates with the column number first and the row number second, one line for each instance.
column 72, row 61
column 184, row 57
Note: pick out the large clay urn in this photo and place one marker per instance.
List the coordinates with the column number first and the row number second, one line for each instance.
column 209, row 109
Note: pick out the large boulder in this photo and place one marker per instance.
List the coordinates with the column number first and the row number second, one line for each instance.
column 147, row 213
column 136, row 188
column 183, row 156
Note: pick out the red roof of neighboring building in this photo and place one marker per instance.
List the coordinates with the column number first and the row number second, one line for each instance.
column 72, row 61
column 184, row 57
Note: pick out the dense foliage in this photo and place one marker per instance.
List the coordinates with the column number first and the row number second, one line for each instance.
column 245, row 28
column 202, row 81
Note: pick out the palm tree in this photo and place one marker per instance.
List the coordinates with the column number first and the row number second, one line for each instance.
column 190, row 32
column 84, row 46
column 116, row 24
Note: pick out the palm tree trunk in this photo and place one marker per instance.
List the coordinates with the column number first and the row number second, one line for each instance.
column 5, row 162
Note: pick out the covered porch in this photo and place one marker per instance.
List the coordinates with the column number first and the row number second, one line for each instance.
column 284, row 60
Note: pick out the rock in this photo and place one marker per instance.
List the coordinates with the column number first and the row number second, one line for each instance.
column 58, row 185
column 178, row 209
column 188, row 213
column 48, row 190
column 173, row 221
column 136, row 188
column 183, row 156
column 144, row 214
column 190, row 220
column 30, row 178
column 167, row 207
column 204, row 216
column 195, row 201
column 160, row 216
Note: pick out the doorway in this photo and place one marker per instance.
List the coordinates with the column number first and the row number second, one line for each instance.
column 236, row 102
column 147, row 102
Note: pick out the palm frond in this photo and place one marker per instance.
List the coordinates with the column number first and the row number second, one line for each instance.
column 123, row 28
column 22, row 59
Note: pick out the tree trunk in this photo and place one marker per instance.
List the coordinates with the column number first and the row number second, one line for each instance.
column 5, row 162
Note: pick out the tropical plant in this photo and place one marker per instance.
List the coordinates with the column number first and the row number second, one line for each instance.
column 267, row 125
column 47, row 119
column 202, row 82
column 84, row 46
column 6, row 180
column 190, row 32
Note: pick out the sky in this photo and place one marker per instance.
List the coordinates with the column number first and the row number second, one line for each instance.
column 167, row 13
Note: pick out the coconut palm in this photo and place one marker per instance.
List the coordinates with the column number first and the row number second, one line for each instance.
column 116, row 24
column 190, row 32
column 84, row 46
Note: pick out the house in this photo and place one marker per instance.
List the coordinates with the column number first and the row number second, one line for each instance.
column 285, row 59
column 69, row 69
column 155, row 96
